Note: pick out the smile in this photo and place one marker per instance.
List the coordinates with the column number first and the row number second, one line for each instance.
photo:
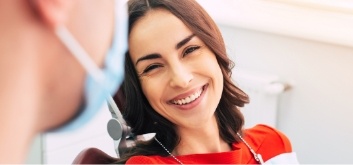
column 188, row 99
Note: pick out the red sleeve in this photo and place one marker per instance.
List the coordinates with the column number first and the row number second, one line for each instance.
column 140, row 160
column 268, row 141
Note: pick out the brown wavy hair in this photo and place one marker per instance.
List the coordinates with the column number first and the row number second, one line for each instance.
column 137, row 111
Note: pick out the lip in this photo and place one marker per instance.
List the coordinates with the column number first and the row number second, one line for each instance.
column 192, row 104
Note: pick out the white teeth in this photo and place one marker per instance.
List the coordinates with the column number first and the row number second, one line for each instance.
column 183, row 101
column 192, row 97
column 188, row 99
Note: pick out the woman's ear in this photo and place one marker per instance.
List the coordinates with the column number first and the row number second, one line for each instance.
column 54, row 12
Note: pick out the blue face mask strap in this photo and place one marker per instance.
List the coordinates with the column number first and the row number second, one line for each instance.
column 79, row 53
column 117, row 127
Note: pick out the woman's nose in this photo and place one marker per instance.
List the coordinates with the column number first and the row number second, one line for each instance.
column 180, row 76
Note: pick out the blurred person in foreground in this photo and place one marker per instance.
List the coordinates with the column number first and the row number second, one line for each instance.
column 59, row 61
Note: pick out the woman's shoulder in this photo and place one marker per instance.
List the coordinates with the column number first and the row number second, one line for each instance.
column 268, row 141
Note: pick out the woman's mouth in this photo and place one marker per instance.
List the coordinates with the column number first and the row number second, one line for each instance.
column 189, row 99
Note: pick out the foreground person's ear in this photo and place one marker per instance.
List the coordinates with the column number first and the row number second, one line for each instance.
column 53, row 12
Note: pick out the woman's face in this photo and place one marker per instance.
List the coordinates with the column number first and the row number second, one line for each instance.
column 178, row 73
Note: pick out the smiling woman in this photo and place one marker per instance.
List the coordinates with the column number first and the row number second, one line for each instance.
column 177, row 85
column 175, row 62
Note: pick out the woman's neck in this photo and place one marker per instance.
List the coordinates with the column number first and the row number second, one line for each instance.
column 205, row 139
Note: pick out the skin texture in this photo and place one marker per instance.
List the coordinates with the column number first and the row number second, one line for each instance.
column 176, row 73
column 41, row 83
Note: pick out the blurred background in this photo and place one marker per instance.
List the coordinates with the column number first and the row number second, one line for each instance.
column 304, row 45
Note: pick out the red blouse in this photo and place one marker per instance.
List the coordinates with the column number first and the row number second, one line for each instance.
column 265, row 140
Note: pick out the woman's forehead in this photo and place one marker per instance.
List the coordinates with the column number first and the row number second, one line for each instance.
column 157, row 28
column 157, row 23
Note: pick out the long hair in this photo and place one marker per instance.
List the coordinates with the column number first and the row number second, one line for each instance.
column 138, row 112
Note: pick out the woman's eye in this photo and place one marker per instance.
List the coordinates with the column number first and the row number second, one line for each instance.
column 190, row 50
column 151, row 67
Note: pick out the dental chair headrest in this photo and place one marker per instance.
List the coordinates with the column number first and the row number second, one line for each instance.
column 117, row 128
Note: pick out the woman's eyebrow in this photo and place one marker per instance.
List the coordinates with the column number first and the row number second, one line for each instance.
column 149, row 57
column 184, row 41
column 156, row 55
